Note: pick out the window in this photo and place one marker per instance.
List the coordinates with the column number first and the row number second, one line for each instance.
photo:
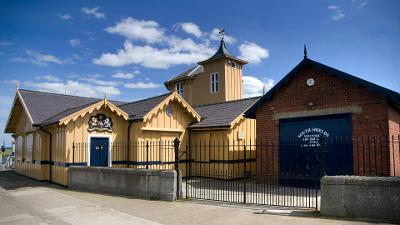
column 233, row 64
column 214, row 83
column 179, row 88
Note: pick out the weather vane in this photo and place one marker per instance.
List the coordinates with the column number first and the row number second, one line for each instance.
column 221, row 33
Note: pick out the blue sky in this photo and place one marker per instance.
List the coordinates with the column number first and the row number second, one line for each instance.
column 129, row 48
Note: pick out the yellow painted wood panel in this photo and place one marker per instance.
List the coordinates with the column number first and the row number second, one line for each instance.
column 197, row 90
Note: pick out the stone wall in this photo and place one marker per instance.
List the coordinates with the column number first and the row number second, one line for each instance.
column 361, row 197
column 145, row 183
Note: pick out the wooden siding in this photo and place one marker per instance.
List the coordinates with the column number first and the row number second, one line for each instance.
column 197, row 90
column 160, row 131
column 223, row 147
column 30, row 147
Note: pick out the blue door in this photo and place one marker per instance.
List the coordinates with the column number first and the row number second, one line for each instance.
column 301, row 155
column 99, row 151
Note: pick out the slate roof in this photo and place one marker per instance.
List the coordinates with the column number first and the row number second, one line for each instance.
column 49, row 108
column 137, row 110
column 392, row 96
column 43, row 106
column 56, row 118
column 187, row 74
column 222, row 114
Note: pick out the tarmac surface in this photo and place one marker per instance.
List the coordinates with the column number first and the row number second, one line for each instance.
column 26, row 201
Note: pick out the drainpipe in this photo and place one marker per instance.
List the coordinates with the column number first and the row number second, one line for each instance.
column 128, row 144
column 50, row 151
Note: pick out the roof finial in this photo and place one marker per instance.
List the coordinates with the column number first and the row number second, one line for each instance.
column 105, row 95
column 17, row 85
column 305, row 51
column 221, row 33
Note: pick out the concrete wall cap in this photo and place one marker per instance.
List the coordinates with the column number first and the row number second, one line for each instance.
column 144, row 172
column 361, row 180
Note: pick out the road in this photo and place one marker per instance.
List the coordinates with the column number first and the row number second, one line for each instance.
column 25, row 201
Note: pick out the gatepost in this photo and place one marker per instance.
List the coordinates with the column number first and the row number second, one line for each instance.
column 176, row 147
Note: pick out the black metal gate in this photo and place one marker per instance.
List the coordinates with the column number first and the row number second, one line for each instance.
column 279, row 173
column 229, row 172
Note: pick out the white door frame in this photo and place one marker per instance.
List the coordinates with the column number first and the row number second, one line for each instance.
column 109, row 136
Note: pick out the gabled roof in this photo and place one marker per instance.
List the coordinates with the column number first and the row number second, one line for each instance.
column 137, row 110
column 222, row 114
column 140, row 110
column 74, row 113
column 392, row 96
column 222, row 52
column 49, row 108
column 186, row 75
column 43, row 105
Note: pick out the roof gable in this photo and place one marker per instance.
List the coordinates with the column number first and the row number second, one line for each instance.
column 18, row 109
column 73, row 114
column 42, row 105
column 393, row 97
column 174, row 96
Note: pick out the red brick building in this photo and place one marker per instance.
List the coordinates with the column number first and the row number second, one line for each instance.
column 314, row 101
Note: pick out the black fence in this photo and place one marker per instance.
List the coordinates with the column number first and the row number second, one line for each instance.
column 285, row 173
column 142, row 154
column 281, row 173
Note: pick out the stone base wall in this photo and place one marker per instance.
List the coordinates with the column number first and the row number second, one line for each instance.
column 145, row 183
column 361, row 197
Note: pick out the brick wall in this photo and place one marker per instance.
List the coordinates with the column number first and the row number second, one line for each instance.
column 394, row 132
column 329, row 92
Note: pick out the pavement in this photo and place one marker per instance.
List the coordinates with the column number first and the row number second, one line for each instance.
column 26, row 201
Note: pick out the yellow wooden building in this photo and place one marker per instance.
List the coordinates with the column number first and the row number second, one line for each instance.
column 204, row 109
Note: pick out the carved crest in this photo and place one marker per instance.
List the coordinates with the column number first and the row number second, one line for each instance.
column 100, row 122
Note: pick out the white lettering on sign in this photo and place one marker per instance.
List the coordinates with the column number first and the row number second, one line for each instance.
column 310, row 137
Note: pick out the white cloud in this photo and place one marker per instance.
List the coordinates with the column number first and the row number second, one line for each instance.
column 74, row 42
column 93, row 12
column 133, row 29
column 190, row 28
column 338, row 12
column 64, row 16
column 253, row 86
column 122, row 75
column 5, row 43
column 214, row 36
column 99, row 82
column 50, row 78
column 360, row 3
column 160, row 49
column 74, row 88
column 338, row 15
column 252, row 52
column 152, row 57
column 142, row 85
column 38, row 58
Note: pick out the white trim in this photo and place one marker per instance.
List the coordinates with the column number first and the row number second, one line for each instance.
column 24, row 106
column 214, row 81
column 109, row 136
